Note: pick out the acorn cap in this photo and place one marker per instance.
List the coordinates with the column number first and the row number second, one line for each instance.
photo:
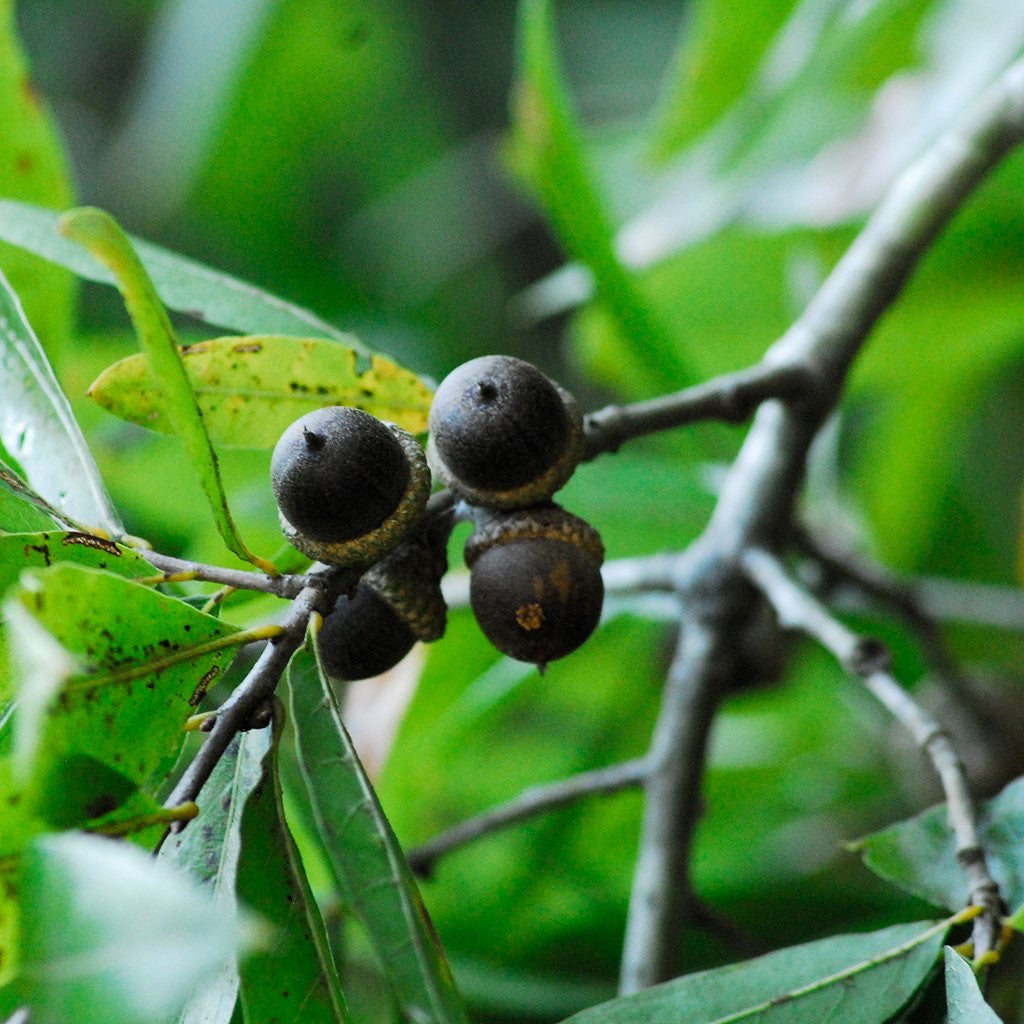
column 502, row 434
column 409, row 581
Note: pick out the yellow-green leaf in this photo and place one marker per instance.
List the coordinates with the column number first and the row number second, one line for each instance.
column 250, row 388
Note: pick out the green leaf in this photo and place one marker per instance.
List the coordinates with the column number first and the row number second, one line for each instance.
column 32, row 168
column 20, row 551
column 721, row 45
column 249, row 389
column 110, row 670
column 295, row 979
column 38, row 427
column 370, row 869
column 858, row 979
column 919, row 854
column 100, row 234
column 107, row 934
column 208, row 851
column 182, row 284
column 964, row 1002
column 21, row 509
column 547, row 150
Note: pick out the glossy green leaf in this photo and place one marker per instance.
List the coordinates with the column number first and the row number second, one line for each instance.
column 208, row 851
column 182, row 284
column 249, row 389
column 38, row 427
column 107, row 934
column 33, row 169
column 858, row 979
column 101, row 235
column 295, row 978
column 370, row 869
column 547, row 150
column 964, row 1002
column 21, row 509
column 109, row 672
column 919, row 854
column 20, row 551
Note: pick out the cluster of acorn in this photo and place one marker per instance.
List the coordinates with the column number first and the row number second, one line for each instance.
column 352, row 491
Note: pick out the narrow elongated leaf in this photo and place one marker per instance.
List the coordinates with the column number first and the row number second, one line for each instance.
column 856, row 979
column 548, row 152
column 371, row 871
column 919, row 854
column 111, row 670
column 964, row 1002
column 183, row 284
column 38, row 427
column 294, row 979
column 109, row 935
column 249, row 389
column 208, row 850
column 100, row 234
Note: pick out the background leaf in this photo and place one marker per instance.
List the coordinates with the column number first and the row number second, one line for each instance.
column 38, row 428
column 33, row 168
column 183, row 284
column 369, row 867
column 859, row 979
column 250, row 389
column 920, row 854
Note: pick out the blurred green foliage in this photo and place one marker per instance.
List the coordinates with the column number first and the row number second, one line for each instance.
column 353, row 157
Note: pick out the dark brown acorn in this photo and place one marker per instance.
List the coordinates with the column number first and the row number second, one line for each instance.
column 502, row 434
column 535, row 582
column 396, row 602
column 348, row 486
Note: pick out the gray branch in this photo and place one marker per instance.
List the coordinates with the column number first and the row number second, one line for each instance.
column 868, row 659
column 756, row 504
column 237, row 713
column 287, row 586
column 732, row 397
column 529, row 804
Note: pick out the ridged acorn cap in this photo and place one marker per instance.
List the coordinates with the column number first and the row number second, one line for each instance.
column 502, row 434
column 348, row 486
column 535, row 582
column 396, row 602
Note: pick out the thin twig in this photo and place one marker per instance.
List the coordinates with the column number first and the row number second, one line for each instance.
column 529, row 804
column 287, row 586
column 236, row 713
column 731, row 397
column 868, row 659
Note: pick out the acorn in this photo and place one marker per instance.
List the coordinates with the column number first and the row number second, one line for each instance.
column 535, row 582
column 348, row 486
column 395, row 603
column 502, row 434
